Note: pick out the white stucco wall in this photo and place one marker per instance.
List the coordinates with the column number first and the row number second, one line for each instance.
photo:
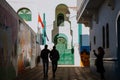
column 106, row 15
column 48, row 7
column 66, row 30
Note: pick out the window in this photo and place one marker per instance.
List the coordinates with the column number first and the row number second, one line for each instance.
column 103, row 35
column 94, row 40
column 107, row 35
column 60, row 20
column 25, row 14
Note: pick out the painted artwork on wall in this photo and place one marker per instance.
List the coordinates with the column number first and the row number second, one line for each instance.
column 24, row 47
column 17, row 44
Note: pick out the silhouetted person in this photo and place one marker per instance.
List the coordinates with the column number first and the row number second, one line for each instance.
column 54, row 56
column 99, row 61
column 44, row 55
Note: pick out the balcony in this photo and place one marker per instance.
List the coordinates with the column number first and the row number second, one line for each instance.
column 88, row 10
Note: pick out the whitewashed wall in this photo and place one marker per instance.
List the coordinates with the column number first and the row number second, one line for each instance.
column 106, row 15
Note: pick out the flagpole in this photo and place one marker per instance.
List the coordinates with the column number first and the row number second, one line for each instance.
column 44, row 30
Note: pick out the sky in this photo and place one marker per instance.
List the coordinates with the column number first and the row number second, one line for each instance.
column 48, row 7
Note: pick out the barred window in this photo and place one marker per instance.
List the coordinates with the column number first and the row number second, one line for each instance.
column 25, row 14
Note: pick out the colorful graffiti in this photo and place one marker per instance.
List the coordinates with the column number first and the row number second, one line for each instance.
column 85, row 56
column 26, row 47
column 17, row 44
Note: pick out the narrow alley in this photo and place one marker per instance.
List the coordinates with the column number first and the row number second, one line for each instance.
column 63, row 73
column 85, row 35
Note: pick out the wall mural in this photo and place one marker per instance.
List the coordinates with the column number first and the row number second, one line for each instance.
column 26, row 47
column 17, row 44
column 66, row 55
column 8, row 36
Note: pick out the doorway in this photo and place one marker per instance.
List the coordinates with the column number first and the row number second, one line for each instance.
column 66, row 55
column 118, row 37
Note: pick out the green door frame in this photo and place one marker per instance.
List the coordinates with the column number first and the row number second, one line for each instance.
column 66, row 56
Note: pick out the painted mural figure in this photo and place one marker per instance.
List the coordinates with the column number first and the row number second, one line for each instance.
column 99, row 61
column 44, row 55
column 54, row 56
column 85, row 55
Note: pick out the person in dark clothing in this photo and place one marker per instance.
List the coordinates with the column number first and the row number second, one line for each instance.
column 44, row 55
column 54, row 56
column 99, row 61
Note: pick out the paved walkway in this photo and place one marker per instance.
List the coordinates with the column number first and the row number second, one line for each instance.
column 63, row 73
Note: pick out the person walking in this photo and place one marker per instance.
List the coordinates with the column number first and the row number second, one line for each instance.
column 44, row 55
column 54, row 56
column 99, row 61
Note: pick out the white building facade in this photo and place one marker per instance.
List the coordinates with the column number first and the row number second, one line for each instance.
column 33, row 8
column 103, row 23
column 103, row 18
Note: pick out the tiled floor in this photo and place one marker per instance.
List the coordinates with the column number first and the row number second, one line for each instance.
column 63, row 73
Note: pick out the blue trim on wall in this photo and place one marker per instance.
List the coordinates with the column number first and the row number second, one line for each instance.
column 85, row 47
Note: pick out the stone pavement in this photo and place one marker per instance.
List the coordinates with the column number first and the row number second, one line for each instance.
column 62, row 73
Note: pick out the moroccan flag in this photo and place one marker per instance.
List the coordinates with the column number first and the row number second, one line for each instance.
column 40, row 21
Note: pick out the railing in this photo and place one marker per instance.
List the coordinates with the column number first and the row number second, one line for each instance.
column 81, row 8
